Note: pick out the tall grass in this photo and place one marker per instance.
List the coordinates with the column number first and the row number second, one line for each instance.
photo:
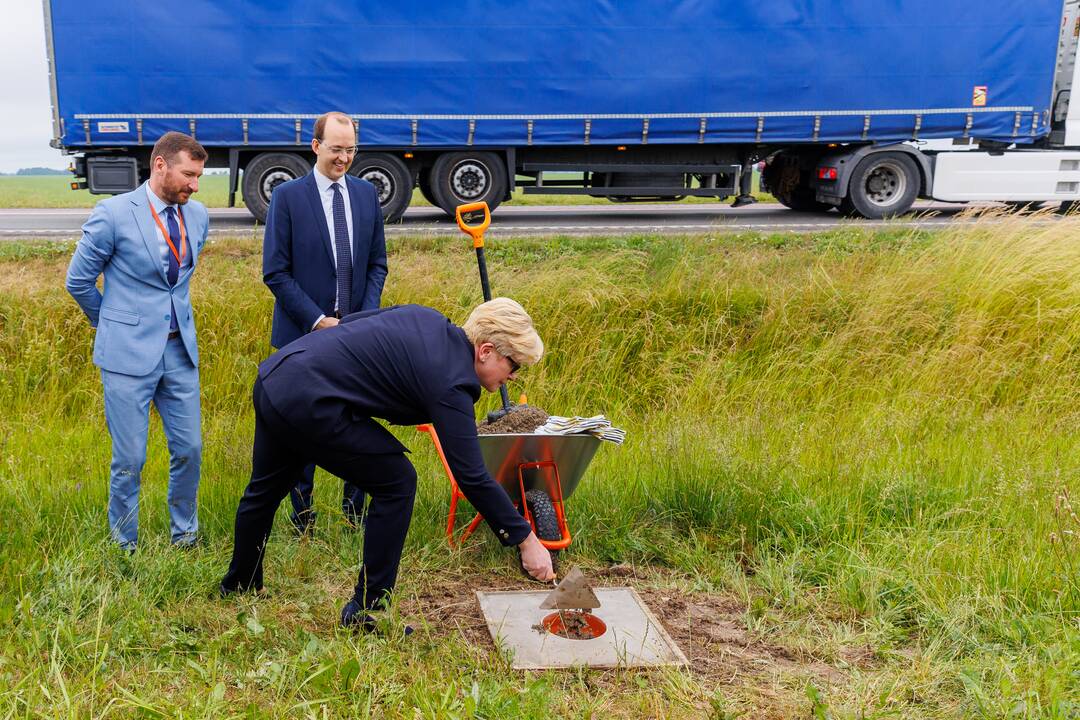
column 870, row 438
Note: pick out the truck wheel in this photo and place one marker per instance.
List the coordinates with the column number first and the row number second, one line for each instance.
column 264, row 173
column 467, row 177
column 883, row 185
column 547, row 524
column 789, row 184
column 392, row 181
column 423, row 182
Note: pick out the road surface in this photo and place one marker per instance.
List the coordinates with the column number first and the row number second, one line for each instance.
column 509, row 220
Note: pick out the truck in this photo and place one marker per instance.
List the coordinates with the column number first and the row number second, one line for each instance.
column 859, row 107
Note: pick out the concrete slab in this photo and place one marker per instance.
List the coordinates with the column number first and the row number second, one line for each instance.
column 634, row 636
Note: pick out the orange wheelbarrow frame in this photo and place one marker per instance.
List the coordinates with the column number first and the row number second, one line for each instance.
column 551, row 479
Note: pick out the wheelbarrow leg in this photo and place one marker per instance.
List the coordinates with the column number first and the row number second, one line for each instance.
column 455, row 492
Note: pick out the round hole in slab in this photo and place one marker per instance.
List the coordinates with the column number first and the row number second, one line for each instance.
column 574, row 625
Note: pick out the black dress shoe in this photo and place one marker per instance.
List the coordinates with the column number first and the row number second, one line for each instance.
column 226, row 592
column 354, row 616
column 356, row 522
column 303, row 522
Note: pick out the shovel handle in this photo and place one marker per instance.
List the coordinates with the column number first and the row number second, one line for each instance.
column 476, row 231
column 481, row 262
column 477, row 234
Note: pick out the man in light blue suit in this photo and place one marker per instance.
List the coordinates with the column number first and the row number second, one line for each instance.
column 146, row 243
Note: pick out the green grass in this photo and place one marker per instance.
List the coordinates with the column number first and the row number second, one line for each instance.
column 55, row 192
column 866, row 443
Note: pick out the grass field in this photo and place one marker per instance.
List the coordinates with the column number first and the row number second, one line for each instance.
column 850, row 490
column 54, row 192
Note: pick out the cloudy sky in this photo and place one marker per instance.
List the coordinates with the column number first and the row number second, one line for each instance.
column 25, row 114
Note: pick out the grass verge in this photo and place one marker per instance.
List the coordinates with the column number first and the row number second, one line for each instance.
column 850, row 490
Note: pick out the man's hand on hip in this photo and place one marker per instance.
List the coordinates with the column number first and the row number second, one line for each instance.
column 326, row 322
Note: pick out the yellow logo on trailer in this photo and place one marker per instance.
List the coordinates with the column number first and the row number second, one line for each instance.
column 978, row 96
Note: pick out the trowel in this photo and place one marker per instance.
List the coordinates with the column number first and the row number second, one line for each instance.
column 572, row 593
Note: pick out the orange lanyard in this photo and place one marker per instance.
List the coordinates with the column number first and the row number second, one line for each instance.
column 165, row 233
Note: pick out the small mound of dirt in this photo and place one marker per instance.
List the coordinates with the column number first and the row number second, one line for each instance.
column 520, row 419
column 572, row 625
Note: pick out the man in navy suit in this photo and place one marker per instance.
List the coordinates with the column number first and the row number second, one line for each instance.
column 146, row 244
column 316, row 400
column 324, row 257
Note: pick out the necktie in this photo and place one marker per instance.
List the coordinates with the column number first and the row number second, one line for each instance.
column 174, row 265
column 342, row 253
column 174, row 235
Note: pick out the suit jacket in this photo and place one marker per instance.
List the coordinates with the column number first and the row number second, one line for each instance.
column 298, row 258
column 132, row 315
column 405, row 364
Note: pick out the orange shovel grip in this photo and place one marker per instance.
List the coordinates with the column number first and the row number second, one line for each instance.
column 476, row 231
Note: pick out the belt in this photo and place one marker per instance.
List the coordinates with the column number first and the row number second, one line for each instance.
column 174, row 334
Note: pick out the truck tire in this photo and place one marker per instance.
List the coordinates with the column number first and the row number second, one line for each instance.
column 264, row 173
column 467, row 177
column 392, row 181
column 547, row 524
column 423, row 182
column 882, row 185
column 790, row 185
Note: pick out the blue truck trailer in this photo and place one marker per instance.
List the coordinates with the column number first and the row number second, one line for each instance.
column 861, row 106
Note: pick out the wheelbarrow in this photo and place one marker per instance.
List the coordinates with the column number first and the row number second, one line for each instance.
column 544, row 470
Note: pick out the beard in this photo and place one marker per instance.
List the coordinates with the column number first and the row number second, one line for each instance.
column 173, row 196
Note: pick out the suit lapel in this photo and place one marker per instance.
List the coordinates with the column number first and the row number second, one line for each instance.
column 192, row 246
column 320, row 216
column 356, row 201
column 142, row 211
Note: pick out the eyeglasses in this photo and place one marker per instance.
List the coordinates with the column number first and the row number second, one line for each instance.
column 338, row 150
column 514, row 364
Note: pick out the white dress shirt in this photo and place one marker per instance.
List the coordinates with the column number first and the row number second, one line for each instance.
column 159, row 206
column 326, row 194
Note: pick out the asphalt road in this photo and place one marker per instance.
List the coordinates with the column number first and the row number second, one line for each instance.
column 614, row 219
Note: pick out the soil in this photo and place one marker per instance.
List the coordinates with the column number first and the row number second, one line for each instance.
column 520, row 419
column 574, row 625
column 710, row 629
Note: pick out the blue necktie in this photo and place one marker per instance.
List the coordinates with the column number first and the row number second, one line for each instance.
column 174, row 265
column 174, row 235
column 343, row 254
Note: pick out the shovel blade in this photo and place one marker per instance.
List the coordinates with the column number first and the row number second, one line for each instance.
column 572, row 593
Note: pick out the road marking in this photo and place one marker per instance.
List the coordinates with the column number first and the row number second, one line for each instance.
column 666, row 229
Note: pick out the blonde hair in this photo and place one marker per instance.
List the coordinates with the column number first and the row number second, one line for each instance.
column 505, row 324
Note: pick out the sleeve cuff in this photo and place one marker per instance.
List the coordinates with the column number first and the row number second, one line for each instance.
column 317, row 321
column 513, row 536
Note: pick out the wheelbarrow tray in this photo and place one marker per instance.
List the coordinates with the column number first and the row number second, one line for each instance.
column 503, row 453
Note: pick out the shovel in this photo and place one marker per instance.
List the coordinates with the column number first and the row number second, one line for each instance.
column 473, row 219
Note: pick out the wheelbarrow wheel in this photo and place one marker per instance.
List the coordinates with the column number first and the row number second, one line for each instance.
column 546, row 523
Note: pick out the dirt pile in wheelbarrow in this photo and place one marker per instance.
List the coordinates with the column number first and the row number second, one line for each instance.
column 522, row 419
